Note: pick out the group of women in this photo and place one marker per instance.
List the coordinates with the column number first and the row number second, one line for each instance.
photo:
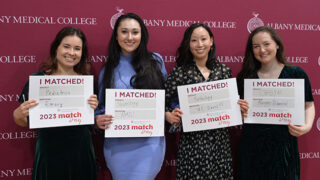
column 266, row 151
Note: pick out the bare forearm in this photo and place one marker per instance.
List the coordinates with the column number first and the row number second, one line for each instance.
column 299, row 130
column 310, row 114
column 19, row 119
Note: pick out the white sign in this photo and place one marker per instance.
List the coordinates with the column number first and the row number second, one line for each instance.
column 275, row 101
column 137, row 113
column 63, row 101
column 209, row 105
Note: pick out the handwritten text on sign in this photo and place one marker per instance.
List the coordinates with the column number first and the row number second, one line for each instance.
column 62, row 101
column 137, row 113
column 209, row 105
column 275, row 101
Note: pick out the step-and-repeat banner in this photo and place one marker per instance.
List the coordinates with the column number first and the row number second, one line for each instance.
column 27, row 28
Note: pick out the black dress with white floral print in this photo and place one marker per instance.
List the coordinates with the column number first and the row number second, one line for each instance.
column 201, row 154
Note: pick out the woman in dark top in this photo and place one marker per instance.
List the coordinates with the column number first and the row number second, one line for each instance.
column 201, row 154
column 64, row 153
column 271, row 151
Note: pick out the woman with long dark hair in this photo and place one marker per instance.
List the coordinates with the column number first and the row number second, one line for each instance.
column 130, row 65
column 62, row 152
column 201, row 154
column 271, row 151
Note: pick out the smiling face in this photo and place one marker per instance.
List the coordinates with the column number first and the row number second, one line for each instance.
column 264, row 48
column 200, row 44
column 69, row 52
column 129, row 36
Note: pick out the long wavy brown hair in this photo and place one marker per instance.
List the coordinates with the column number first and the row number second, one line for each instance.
column 49, row 66
column 250, row 64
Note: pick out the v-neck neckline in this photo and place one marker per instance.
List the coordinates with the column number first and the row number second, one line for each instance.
column 275, row 78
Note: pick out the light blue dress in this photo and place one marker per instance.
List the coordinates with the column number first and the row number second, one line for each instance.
column 131, row 158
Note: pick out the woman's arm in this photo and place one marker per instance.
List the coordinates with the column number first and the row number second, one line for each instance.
column 93, row 101
column 173, row 114
column 21, row 113
column 244, row 106
column 102, row 120
column 174, row 117
column 296, row 130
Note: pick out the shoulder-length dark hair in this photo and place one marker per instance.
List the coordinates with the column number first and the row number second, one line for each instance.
column 148, row 74
column 184, row 55
column 250, row 64
column 51, row 64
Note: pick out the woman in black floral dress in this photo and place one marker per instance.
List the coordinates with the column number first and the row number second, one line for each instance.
column 201, row 154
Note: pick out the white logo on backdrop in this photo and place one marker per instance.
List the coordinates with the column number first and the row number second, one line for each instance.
column 319, row 60
column 254, row 22
column 9, row 97
column 172, row 162
column 18, row 59
column 15, row 172
column 309, row 155
column 115, row 17
column 176, row 23
column 18, row 135
column 298, row 59
column 48, row 20
column 98, row 59
column 315, row 92
column 318, row 123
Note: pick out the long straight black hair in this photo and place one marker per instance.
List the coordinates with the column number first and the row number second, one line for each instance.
column 148, row 74
column 184, row 55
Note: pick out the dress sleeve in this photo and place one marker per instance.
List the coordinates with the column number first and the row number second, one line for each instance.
column 24, row 96
column 174, row 79
column 101, row 106
column 226, row 71
column 162, row 66
column 307, row 85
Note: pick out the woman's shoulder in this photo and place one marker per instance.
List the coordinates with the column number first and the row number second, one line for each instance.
column 38, row 74
column 102, row 70
column 224, row 68
column 157, row 56
column 177, row 68
column 294, row 70
column 101, row 73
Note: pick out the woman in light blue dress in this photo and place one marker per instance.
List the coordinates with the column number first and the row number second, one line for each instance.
column 131, row 66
